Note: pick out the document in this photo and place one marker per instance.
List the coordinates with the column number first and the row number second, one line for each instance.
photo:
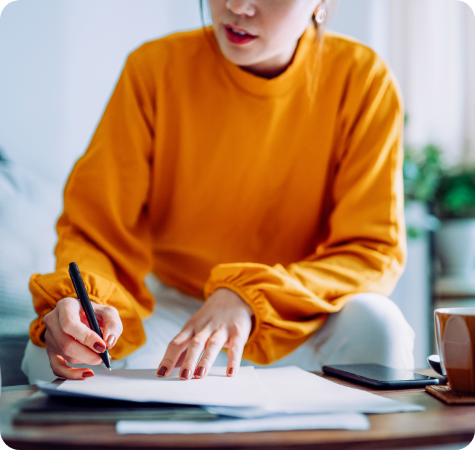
column 290, row 390
column 252, row 393
column 226, row 425
column 144, row 386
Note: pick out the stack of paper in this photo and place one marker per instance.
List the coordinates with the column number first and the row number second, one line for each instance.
column 226, row 425
column 254, row 400
column 216, row 389
column 290, row 390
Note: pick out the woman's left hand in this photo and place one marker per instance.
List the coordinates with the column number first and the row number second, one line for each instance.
column 224, row 321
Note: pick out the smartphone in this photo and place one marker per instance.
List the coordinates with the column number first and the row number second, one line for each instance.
column 379, row 377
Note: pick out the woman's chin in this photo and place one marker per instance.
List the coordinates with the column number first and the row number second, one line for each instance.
column 239, row 55
column 249, row 59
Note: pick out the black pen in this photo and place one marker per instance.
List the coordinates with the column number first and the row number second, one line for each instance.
column 87, row 307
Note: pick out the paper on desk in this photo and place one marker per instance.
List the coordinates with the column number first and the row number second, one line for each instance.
column 291, row 390
column 144, row 386
column 250, row 394
column 274, row 423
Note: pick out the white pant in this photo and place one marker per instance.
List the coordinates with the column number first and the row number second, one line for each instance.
column 369, row 329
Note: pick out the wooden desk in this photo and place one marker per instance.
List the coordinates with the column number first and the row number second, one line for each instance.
column 438, row 425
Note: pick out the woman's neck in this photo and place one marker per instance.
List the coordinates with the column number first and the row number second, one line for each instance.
column 275, row 66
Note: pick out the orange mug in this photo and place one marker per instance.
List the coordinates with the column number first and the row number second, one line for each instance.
column 455, row 334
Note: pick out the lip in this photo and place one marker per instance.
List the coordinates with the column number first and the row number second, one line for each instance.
column 235, row 38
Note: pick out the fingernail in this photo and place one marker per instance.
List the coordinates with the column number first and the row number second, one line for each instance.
column 231, row 371
column 201, row 371
column 110, row 341
column 162, row 371
column 87, row 374
column 185, row 373
column 99, row 347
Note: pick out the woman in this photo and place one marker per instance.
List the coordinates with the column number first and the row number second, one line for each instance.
column 255, row 165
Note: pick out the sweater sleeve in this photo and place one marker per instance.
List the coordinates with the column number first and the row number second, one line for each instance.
column 364, row 247
column 104, row 225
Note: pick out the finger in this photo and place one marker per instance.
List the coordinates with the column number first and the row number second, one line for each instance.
column 70, row 349
column 174, row 350
column 70, row 323
column 194, row 352
column 213, row 346
column 235, row 350
column 61, row 369
column 109, row 318
column 179, row 363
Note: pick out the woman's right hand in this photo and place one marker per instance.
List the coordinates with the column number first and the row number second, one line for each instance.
column 69, row 338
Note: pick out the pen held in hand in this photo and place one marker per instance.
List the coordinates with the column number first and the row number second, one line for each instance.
column 87, row 307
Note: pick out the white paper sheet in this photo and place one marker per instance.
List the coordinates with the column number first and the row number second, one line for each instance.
column 144, row 386
column 274, row 423
column 291, row 390
column 250, row 394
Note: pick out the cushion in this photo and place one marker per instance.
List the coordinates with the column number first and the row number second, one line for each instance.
column 29, row 207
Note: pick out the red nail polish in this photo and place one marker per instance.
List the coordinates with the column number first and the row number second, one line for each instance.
column 231, row 371
column 200, row 371
column 99, row 347
column 162, row 371
column 185, row 373
column 87, row 374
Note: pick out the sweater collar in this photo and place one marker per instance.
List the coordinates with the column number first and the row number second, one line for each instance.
column 280, row 85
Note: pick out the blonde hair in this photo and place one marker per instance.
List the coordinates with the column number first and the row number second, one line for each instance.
column 314, row 66
column 329, row 5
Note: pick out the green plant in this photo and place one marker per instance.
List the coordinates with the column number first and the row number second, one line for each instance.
column 422, row 170
column 455, row 196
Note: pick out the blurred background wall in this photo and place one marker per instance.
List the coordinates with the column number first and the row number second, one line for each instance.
column 59, row 61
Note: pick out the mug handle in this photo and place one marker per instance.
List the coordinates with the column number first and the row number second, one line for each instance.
column 438, row 337
column 434, row 362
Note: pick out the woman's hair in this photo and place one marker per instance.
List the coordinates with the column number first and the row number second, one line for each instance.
column 314, row 66
column 202, row 14
column 329, row 7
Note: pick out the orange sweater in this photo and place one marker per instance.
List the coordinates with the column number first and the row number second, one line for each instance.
column 212, row 177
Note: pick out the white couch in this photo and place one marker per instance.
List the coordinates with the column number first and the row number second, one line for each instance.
column 29, row 206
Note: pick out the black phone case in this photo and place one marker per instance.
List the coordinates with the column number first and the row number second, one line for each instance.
column 377, row 384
